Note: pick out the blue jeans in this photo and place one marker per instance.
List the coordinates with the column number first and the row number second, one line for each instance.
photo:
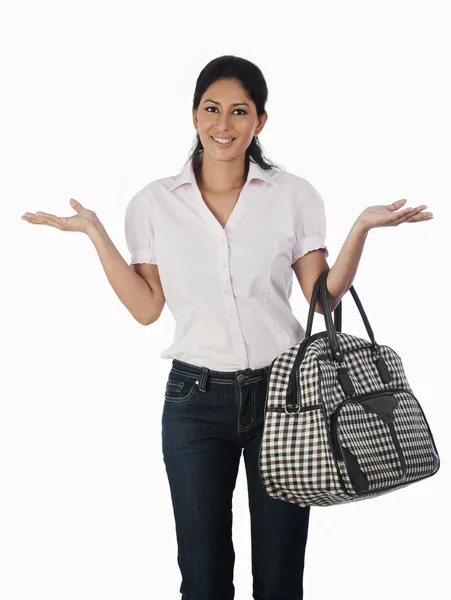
column 208, row 418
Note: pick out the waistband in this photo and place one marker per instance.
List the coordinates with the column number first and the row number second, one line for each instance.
column 203, row 374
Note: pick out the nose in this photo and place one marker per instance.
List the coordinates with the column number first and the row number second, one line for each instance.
column 223, row 121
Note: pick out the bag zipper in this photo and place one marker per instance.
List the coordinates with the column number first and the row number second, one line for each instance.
column 301, row 409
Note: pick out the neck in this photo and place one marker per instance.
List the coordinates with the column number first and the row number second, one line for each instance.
column 220, row 176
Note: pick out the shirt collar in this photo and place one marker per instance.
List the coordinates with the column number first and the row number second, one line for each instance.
column 187, row 174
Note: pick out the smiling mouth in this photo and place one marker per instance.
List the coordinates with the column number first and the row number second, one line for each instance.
column 223, row 143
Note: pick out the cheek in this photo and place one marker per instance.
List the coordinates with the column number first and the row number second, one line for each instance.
column 205, row 121
column 245, row 134
column 244, row 127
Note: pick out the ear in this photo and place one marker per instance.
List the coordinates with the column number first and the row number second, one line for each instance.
column 195, row 118
column 261, row 123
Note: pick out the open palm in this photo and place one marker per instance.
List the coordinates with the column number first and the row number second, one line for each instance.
column 385, row 215
column 84, row 219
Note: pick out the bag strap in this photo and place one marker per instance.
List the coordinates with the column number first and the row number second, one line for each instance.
column 320, row 289
column 311, row 313
column 343, row 375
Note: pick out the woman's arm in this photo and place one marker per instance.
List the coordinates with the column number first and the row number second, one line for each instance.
column 131, row 289
column 342, row 272
column 341, row 275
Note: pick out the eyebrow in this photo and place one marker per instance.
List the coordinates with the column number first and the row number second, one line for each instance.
column 234, row 104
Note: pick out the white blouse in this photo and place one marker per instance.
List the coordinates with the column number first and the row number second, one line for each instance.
column 228, row 289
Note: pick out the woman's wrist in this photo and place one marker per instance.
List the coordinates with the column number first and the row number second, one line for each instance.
column 361, row 227
column 95, row 229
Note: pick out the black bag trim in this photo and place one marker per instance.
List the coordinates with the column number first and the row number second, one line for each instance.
column 337, row 448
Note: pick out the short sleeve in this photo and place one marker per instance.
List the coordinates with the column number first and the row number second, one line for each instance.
column 310, row 221
column 139, row 230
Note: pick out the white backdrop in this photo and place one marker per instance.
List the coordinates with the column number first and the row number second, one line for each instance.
column 96, row 103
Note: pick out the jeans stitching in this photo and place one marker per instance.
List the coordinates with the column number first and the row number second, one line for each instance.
column 177, row 384
column 253, row 394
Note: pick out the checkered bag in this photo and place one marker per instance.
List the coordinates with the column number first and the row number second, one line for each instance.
column 341, row 421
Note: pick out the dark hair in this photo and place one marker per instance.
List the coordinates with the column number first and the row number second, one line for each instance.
column 252, row 80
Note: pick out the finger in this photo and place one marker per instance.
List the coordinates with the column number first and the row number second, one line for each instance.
column 46, row 215
column 401, row 216
column 407, row 212
column 417, row 215
column 31, row 218
column 422, row 216
column 75, row 205
column 39, row 215
column 395, row 205
column 417, row 210
column 410, row 211
column 45, row 219
column 38, row 219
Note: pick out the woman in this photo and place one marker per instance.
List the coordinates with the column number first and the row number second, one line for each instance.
column 225, row 236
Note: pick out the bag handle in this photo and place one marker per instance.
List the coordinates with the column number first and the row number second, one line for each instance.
column 311, row 313
column 320, row 289
column 292, row 381
column 343, row 375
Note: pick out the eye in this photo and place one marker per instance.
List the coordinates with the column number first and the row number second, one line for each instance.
column 243, row 111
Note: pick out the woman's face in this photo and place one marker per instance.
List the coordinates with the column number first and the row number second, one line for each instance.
column 216, row 116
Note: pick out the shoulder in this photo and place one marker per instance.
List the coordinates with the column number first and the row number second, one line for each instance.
column 145, row 197
column 296, row 181
column 298, row 188
column 156, row 189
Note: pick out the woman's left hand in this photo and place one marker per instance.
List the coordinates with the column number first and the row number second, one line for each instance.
column 386, row 215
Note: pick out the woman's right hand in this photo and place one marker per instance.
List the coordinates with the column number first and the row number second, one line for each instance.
column 83, row 221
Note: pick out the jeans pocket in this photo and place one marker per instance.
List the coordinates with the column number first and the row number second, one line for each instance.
column 180, row 387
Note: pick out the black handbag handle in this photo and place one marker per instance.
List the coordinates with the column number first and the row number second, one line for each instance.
column 321, row 289
column 343, row 375
column 311, row 312
column 337, row 317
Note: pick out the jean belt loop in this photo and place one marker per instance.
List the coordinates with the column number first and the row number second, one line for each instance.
column 203, row 379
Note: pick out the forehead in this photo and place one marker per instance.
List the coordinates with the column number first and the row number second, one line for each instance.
column 229, row 89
